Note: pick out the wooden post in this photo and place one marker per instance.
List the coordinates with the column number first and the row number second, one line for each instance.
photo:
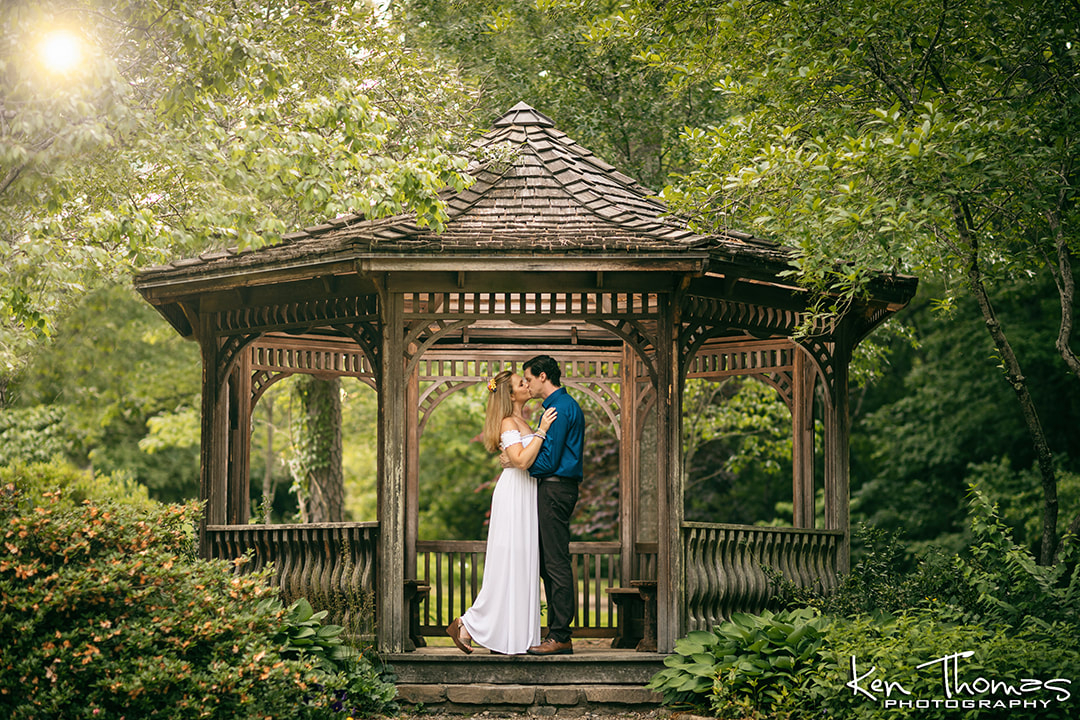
column 671, row 583
column 391, row 615
column 837, row 458
column 239, row 507
column 628, row 465
column 802, row 420
column 412, row 472
column 212, row 456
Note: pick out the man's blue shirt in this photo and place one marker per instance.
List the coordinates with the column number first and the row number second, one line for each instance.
column 562, row 449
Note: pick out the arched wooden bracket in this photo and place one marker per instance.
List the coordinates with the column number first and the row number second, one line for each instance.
column 822, row 356
column 366, row 334
column 604, row 396
column 634, row 334
column 433, row 395
column 228, row 352
column 782, row 382
column 261, row 380
column 691, row 338
column 425, row 333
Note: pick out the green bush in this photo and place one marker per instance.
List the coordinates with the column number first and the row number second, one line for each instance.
column 74, row 485
column 995, row 582
column 889, row 650
column 1011, row 627
column 799, row 665
column 362, row 689
column 1004, row 583
column 750, row 664
column 103, row 613
column 884, row 580
column 33, row 435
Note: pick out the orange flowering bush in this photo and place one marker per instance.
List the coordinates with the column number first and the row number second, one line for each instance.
column 106, row 613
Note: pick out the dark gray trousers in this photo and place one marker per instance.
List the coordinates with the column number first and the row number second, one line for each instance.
column 555, row 503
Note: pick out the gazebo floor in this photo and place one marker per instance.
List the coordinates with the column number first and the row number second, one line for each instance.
column 591, row 664
column 595, row 677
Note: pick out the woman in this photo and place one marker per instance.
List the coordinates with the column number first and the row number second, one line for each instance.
column 505, row 617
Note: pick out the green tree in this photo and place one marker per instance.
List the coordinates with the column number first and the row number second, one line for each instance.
column 737, row 452
column 191, row 125
column 524, row 50
column 318, row 476
column 943, row 419
column 118, row 391
column 913, row 136
column 456, row 472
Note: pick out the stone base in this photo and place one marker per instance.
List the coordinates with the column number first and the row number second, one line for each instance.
column 541, row 701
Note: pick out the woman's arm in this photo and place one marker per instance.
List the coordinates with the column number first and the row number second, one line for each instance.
column 522, row 456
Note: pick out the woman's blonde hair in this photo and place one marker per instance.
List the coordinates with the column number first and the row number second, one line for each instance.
column 500, row 405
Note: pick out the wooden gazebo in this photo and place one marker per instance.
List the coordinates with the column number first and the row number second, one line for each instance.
column 551, row 250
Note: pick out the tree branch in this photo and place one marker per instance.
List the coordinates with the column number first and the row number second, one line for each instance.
column 11, row 177
column 969, row 245
column 876, row 68
column 925, row 62
column 1066, row 285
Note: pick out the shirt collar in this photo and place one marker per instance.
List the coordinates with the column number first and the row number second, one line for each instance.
column 551, row 398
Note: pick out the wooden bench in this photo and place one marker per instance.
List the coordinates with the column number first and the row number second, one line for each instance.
column 636, row 627
column 416, row 591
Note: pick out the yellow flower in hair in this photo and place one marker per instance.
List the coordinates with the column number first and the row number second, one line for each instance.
column 492, row 385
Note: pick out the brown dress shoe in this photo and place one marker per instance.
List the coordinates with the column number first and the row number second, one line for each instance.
column 454, row 631
column 552, row 647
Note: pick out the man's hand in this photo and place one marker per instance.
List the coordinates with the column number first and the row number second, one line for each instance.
column 504, row 460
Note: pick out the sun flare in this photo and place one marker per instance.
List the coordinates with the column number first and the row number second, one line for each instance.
column 60, row 51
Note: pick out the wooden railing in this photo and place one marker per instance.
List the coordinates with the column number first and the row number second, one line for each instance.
column 454, row 571
column 333, row 565
column 724, row 566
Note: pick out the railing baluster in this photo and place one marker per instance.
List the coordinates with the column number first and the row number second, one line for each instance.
column 475, row 584
column 585, row 595
column 597, row 591
column 463, row 600
column 724, row 566
column 332, row 564
column 438, row 591
column 425, row 616
column 574, row 574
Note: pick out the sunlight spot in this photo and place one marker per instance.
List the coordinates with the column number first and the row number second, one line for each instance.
column 60, row 50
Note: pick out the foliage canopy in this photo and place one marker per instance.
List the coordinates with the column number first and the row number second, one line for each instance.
column 191, row 125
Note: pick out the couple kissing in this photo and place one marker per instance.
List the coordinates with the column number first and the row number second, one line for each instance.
column 529, row 530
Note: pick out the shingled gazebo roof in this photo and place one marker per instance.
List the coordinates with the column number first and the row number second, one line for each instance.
column 551, row 196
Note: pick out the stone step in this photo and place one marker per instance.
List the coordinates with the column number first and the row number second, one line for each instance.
column 447, row 666
column 538, row 700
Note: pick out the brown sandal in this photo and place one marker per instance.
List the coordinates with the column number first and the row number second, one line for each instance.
column 454, row 631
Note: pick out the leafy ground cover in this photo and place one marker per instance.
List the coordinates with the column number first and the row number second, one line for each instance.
column 986, row 634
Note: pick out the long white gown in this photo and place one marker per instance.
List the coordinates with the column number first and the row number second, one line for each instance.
column 505, row 617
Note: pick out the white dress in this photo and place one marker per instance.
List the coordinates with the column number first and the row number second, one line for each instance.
column 505, row 617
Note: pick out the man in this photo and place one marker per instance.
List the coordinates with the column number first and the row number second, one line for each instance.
column 558, row 469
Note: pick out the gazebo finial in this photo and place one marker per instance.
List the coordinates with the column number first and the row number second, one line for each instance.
column 524, row 114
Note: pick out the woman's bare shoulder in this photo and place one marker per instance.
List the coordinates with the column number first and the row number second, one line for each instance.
column 508, row 423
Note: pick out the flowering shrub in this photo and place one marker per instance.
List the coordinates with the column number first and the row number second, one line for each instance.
column 104, row 613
